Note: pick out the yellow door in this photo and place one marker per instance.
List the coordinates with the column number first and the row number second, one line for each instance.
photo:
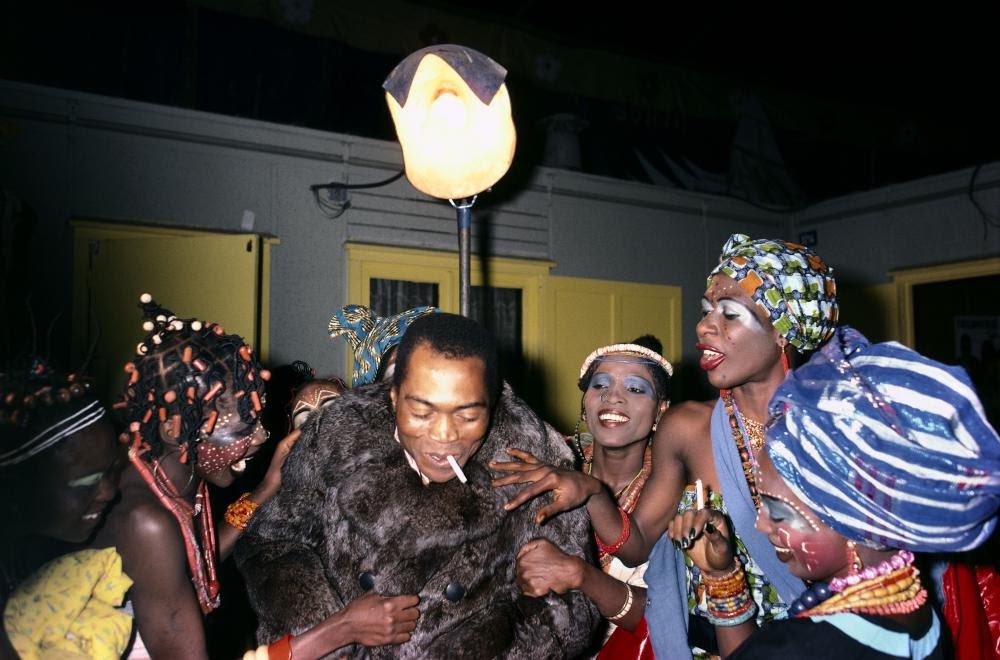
column 213, row 277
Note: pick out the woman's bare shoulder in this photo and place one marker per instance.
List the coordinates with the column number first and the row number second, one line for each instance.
column 689, row 413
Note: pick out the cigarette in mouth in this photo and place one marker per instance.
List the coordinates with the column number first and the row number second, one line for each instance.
column 456, row 468
column 699, row 493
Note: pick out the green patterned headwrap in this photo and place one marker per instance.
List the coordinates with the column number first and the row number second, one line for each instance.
column 793, row 286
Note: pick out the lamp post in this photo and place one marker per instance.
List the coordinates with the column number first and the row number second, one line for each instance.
column 452, row 115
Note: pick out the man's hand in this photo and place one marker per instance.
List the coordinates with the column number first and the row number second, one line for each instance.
column 375, row 620
column 569, row 488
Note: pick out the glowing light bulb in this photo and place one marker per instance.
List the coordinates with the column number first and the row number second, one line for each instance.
column 448, row 111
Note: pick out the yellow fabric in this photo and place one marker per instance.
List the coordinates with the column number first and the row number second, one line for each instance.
column 70, row 608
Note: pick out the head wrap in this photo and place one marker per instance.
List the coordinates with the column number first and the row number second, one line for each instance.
column 793, row 286
column 887, row 447
column 40, row 408
column 371, row 336
column 648, row 354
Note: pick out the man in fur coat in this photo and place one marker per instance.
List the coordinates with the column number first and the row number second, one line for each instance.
column 387, row 537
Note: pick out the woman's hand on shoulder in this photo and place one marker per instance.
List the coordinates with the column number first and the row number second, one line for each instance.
column 271, row 482
column 570, row 488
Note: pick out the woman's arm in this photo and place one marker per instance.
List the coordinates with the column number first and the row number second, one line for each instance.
column 227, row 534
column 680, row 429
column 371, row 620
column 167, row 612
column 542, row 567
column 682, row 436
column 706, row 536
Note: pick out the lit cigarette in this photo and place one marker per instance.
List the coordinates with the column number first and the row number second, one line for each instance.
column 456, row 468
column 699, row 494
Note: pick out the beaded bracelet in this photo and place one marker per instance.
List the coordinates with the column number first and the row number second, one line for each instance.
column 279, row 650
column 726, row 585
column 239, row 513
column 626, row 607
column 729, row 600
column 620, row 541
column 734, row 620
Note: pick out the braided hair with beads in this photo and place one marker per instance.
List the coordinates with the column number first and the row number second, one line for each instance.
column 176, row 383
column 180, row 369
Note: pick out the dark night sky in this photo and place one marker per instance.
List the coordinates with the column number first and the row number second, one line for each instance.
column 930, row 73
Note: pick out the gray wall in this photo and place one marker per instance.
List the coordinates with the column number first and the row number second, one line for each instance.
column 918, row 223
column 76, row 155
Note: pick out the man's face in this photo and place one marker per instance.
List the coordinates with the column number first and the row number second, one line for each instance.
column 441, row 410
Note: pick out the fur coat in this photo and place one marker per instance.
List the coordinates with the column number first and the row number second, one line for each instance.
column 352, row 515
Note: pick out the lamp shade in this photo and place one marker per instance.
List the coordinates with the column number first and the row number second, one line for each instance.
column 453, row 120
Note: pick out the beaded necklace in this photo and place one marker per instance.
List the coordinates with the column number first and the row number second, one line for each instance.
column 629, row 495
column 892, row 587
column 747, row 450
column 201, row 558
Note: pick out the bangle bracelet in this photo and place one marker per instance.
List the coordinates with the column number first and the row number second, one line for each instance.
column 281, row 649
column 620, row 541
column 735, row 620
column 239, row 513
column 626, row 607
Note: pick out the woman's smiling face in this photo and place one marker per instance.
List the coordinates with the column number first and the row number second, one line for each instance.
column 620, row 402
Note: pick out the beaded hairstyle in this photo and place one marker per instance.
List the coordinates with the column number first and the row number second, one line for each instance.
column 40, row 407
column 180, row 369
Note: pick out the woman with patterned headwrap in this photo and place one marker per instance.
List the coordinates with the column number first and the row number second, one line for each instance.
column 767, row 303
column 192, row 407
column 875, row 452
column 373, row 339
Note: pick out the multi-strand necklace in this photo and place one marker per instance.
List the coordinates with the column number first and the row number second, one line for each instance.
column 892, row 587
column 628, row 495
column 200, row 557
column 749, row 438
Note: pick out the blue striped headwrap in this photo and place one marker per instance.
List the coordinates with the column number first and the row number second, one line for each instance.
column 887, row 447
column 370, row 336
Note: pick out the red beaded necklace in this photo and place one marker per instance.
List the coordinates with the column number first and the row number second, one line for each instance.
column 201, row 558
column 892, row 587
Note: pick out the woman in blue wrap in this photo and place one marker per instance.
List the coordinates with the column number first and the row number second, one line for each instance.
column 767, row 304
column 875, row 452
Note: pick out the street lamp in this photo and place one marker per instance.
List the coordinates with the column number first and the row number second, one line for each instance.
column 453, row 119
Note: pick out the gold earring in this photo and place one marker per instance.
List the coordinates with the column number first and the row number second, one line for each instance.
column 852, row 557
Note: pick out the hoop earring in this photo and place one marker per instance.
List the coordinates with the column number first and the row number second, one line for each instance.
column 577, row 443
column 163, row 478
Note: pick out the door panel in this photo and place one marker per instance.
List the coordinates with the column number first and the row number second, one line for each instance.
column 213, row 277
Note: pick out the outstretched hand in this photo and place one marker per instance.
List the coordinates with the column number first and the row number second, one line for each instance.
column 376, row 620
column 706, row 537
column 569, row 488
